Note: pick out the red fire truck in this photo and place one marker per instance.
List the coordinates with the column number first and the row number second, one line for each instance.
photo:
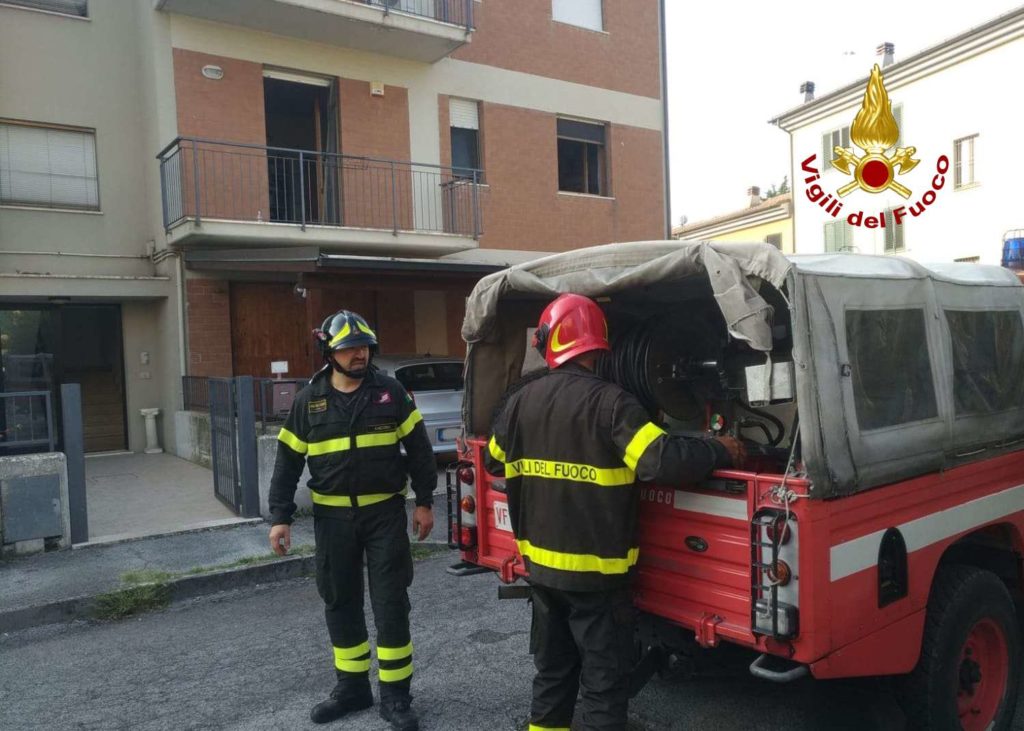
column 878, row 526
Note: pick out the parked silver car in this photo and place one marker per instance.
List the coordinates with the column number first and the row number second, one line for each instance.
column 435, row 383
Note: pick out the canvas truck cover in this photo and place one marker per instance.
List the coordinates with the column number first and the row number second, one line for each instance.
column 901, row 369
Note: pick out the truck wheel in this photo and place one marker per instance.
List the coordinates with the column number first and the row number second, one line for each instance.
column 968, row 672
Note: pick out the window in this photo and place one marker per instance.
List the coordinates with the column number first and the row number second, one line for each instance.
column 897, row 112
column 584, row 13
column 77, row 8
column 581, row 157
column 988, row 358
column 49, row 167
column 775, row 240
column 831, row 140
column 893, row 234
column 963, row 162
column 889, row 367
column 464, row 119
column 838, row 237
column 431, row 377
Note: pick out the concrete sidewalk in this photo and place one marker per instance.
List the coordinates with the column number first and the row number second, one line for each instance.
column 64, row 585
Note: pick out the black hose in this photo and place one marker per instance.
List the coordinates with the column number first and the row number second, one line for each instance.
column 758, row 424
column 776, row 422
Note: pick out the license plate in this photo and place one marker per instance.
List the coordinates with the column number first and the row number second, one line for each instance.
column 501, row 519
column 448, row 434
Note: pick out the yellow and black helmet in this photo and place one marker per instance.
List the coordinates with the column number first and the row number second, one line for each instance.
column 344, row 329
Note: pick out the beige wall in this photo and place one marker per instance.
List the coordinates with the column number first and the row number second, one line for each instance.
column 761, row 233
column 102, row 74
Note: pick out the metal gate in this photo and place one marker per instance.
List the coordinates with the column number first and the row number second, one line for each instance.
column 233, row 444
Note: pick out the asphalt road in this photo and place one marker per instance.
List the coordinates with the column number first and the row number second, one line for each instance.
column 260, row 658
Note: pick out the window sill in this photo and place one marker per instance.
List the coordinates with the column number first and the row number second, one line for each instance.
column 44, row 12
column 570, row 194
column 15, row 207
column 602, row 32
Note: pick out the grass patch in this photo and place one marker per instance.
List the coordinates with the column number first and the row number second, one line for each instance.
column 147, row 589
column 425, row 550
column 135, row 600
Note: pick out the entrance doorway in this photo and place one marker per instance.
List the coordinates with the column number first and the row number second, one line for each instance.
column 43, row 346
column 302, row 114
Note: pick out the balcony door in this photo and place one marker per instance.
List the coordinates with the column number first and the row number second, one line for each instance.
column 302, row 116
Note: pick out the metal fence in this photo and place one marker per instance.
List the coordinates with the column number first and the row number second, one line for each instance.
column 195, row 393
column 26, row 422
column 456, row 12
column 272, row 397
column 207, row 179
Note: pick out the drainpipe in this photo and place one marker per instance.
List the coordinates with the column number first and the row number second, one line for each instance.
column 181, row 316
column 664, row 119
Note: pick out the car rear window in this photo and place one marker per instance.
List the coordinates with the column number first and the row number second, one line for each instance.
column 430, row 376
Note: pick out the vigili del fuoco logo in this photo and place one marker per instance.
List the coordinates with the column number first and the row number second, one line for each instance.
column 874, row 131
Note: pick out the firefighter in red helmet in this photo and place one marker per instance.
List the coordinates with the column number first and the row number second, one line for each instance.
column 571, row 446
column 348, row 425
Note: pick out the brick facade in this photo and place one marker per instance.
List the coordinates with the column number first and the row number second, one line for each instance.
column 209, row 327
column 521, row 36
column 229, row 109
column 522, row 207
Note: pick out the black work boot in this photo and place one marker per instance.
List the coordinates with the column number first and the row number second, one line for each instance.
column 344, row 699
column 399, row 715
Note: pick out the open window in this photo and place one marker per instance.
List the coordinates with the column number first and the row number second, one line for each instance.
column 581, row 157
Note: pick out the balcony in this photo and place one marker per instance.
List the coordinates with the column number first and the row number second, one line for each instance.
column 229, row 193
column 420, row 30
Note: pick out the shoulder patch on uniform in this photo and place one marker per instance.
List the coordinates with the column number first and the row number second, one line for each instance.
column 317, row 406
column 383, row 397
column 408, row 397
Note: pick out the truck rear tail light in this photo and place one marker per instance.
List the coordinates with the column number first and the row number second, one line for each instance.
column 781, row 574
column 466, row 475
column 784, row 624
column 468, row 504
column 467, row 537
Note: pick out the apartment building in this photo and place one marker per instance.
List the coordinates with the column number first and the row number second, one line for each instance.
column 768, row 219
column 192, row 186
column 962, row 197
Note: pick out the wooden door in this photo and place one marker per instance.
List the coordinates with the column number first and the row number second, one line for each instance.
column 268, row 323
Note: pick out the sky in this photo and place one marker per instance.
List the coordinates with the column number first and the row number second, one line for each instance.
column 732, row 66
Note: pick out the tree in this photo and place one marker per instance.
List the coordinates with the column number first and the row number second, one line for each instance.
column 773, row 191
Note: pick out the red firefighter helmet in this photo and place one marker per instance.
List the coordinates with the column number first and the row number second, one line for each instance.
column 571, row 325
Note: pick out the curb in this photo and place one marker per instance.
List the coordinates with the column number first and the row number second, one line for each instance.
column 179, row 589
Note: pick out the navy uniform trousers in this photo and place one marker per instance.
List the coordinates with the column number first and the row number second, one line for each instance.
column 378, row 533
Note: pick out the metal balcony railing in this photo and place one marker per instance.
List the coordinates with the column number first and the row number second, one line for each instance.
column 208, row 179
column 455, row 12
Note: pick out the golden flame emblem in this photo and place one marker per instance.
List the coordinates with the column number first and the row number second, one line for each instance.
column 874, row 130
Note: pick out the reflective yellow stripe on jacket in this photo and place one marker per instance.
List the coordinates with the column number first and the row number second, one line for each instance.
column 640, row 442
column 497, row 452
column 577, row 561
column 345, row 501
column 292, row 441
column 342, row 444
column 406, row 427
column 604, row 476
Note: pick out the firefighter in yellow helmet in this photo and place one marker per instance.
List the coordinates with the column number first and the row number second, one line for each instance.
column 571, row 446
column 347, row 425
